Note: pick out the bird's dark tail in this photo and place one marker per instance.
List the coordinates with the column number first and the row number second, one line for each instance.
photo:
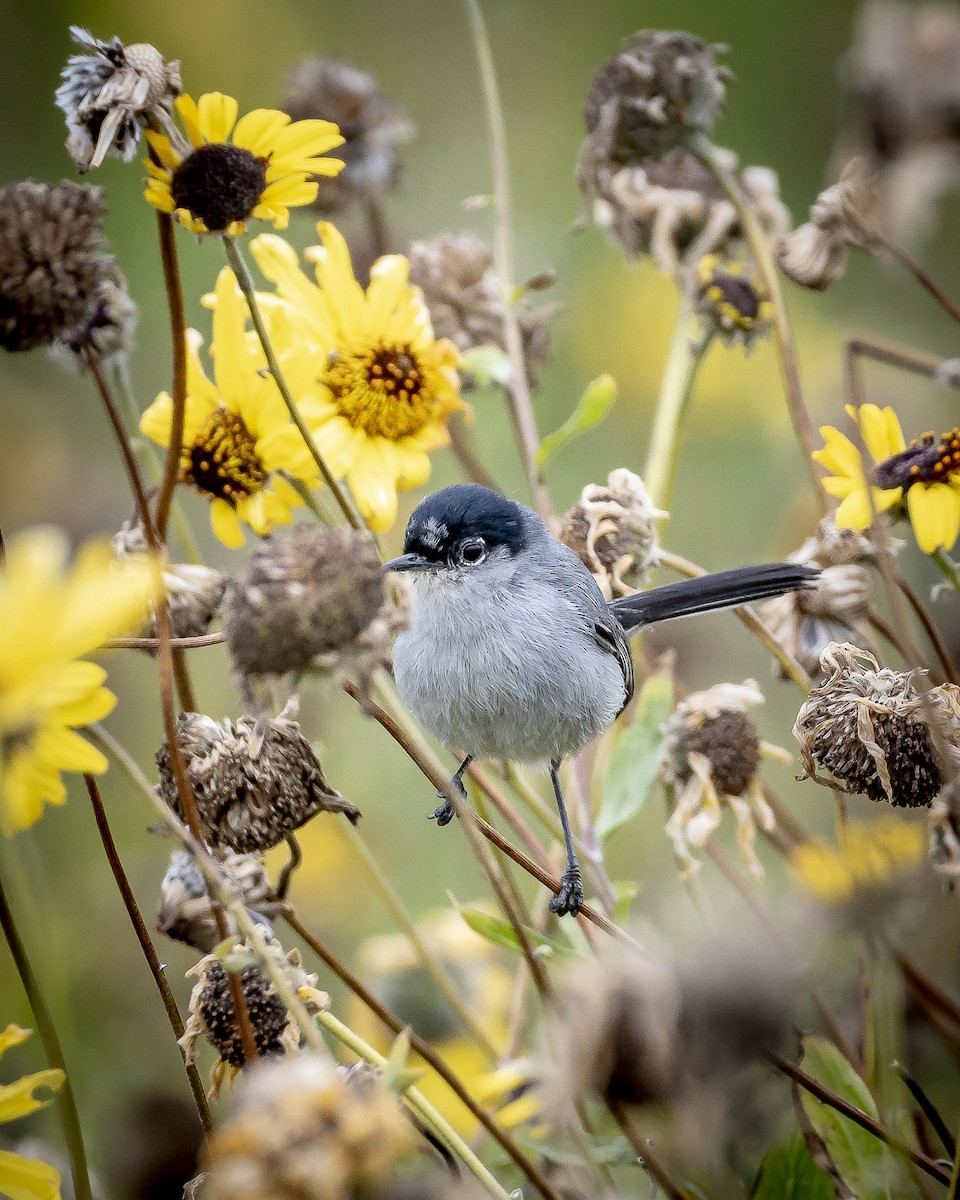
column 723, row 589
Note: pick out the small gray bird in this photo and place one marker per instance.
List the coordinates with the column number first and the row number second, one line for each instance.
column 514, row 653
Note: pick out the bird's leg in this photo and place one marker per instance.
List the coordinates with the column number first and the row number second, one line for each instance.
column 570, row 897
column 445, row 813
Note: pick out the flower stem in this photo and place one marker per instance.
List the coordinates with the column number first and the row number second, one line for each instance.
column 691, row 341
column 66, row 1102
column 419, row 1103
column 518, row 392
column 435, row 970
column 424, row 1049
column 700, row 146
column 178, row 388
column 949, row 569
column 238, row 265
column 146, row 945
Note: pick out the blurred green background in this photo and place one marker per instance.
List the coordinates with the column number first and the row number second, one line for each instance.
column 741, row 493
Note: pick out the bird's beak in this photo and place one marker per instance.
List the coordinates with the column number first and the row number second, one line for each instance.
column 407, row 562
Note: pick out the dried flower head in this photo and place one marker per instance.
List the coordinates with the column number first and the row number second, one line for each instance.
column 52, row 265
column 670, row 1030
column 711, row 755
column 371, row 124
column 869, row 726
column 307, row 593
column 613, row 532
column 646, row 99
column 944, row 830
column 462, row 290
column 109, row 93
column 254, row 781
column 874, row 857
column 674, row 209
column 902, row 79
column 835, row 608
column 107, row 330
column 732, row 301
column 815, row 254
column 185, row 911
column 299, row 1129
column 212, row 1013
column 193, row 591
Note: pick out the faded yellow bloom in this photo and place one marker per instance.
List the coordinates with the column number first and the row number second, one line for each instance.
column 873, row 854
column 26, row 1178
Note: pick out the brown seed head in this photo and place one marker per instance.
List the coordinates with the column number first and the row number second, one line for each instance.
column 373, row 126
column 109, row 93
column 299, row 1129
column 613, row 532
column 52, row 265
column 462, row 291
column 715, row 724
column 254, row 780
column 307, row 593
column 185, row 911
column 869, row 727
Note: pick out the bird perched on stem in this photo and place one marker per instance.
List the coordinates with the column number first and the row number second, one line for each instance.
column 514, row 653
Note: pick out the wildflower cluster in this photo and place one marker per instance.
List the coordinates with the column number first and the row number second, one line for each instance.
column 534, row 1036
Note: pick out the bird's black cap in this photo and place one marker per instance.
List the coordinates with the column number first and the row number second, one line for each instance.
column 464, row 510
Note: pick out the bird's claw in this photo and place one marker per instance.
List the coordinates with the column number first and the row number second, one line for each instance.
column 570, row 897
column 445, row 812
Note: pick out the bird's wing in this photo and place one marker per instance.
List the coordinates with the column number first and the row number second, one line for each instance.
column 609, row 636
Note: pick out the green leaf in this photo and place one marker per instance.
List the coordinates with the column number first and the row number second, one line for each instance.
column 633, row 764
column 593, row 407
column 862, row 1161
column 502, row 933
column 487, row 364
column 624, row 895
column 788, row 1172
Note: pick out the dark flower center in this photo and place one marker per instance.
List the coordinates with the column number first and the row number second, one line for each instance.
column 734, row 298
column 223, row 459
column 731, row 742
column 381, row 390
column 219, row 184
column 929, row 460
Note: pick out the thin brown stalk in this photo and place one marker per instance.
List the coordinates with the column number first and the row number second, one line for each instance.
column 889, row 634
column 826, row 1096
column 648, row 1160
column 759, row 244
column 92, row 359
column 467, row 456
column 178, row 388
column 181, row 677
column 424, row 1049
column 439, row 780
column 906, row 358
column 146, row 945
column 929, row 628
column 518, row 391
column 922, row 276
column 152, row 643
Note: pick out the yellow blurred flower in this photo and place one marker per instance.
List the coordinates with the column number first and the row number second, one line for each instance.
column 926, row 474
column 230, row 170
column 873, row 854
column 26, row 1178
column 49, row 617
column 390, row 967
column 237, row 434
column 387, row 385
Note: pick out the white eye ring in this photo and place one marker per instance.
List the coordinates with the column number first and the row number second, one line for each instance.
column 472, row 551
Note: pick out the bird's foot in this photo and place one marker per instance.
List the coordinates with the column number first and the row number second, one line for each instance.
column 570, row 897
column 445, row 812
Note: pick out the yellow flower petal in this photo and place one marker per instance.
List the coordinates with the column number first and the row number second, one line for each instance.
column 257, row 129
column 186, row 106
column 27, row 1178
column 225, row 523
column 881, row 431
column 216, row 116
column 934, row 514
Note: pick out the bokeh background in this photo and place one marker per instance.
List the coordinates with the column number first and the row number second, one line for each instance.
column 741, row 493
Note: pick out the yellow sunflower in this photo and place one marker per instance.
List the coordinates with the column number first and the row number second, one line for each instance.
column 926, row 474
column 26, row 1178
column 230, row 170
column 387, row 386
column 237, row 433
column 47, row 619
column 872, row 855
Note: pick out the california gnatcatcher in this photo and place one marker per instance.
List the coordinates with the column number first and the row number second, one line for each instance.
column 514, row 653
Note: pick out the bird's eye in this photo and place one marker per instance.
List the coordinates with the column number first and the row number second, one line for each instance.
column 472, row 552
